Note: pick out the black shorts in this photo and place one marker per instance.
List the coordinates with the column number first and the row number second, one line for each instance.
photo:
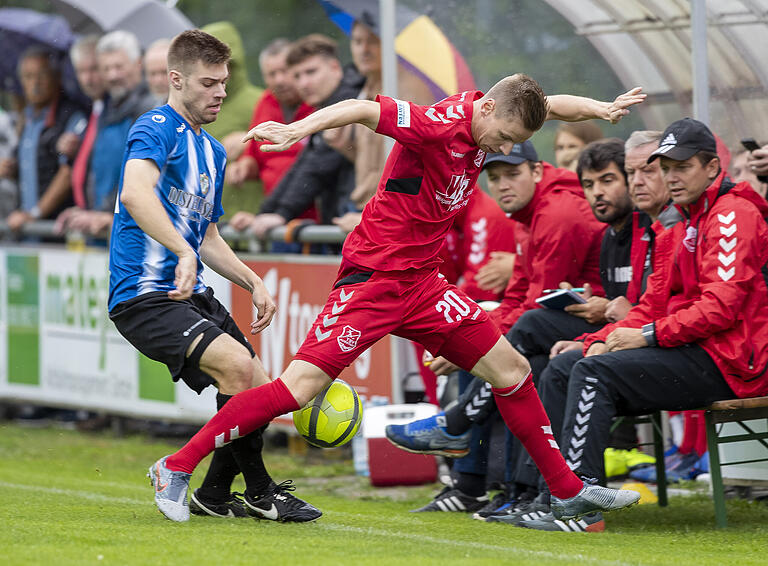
column 162, row 329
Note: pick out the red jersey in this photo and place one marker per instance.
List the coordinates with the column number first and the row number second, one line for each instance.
column 427, row 180
column 273, row 165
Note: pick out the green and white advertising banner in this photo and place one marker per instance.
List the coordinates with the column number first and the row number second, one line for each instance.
column 59, row 348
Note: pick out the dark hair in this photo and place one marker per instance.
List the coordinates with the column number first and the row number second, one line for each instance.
column 311, row 45
column 196, row 45
column 705, row 157
column 598, row 155
column 519, row 96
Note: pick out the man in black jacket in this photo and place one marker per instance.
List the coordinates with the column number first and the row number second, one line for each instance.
column 320, row 172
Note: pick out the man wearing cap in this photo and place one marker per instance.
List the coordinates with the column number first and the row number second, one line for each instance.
column 700, row 331
column 560, row 242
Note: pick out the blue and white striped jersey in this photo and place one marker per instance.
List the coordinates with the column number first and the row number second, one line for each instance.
column 190, row 186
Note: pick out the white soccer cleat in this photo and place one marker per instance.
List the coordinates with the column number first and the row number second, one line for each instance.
column 170, row 490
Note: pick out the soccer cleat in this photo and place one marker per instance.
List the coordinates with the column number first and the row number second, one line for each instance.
column 676, row 466
column 428, row 436
column 231, row 508
column 451, row 499
column 615, row 462
column 499, row 500
column 592, row 498
column 280, row 505
column 592, row 523
column 637, row 459
column 170, row 490
column 523, row 511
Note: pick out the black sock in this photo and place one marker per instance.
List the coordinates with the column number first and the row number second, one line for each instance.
column 470, row 484
column 223, row 469
column 247, row 453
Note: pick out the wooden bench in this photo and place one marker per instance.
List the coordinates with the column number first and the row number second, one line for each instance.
column 728, row 411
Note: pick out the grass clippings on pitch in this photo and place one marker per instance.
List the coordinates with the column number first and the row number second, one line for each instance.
column 71, row 498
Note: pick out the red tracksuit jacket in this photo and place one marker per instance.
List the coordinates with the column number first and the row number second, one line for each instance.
column 710, row 285
column 563, row 245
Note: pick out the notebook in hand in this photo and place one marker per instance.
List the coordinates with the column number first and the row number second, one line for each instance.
column 560, row 299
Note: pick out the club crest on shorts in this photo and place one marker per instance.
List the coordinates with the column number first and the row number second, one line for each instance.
column 205, row 183
column 348, row 339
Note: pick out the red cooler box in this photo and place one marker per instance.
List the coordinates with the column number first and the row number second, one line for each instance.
column 388, row 464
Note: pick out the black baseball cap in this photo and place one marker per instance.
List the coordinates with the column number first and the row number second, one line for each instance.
column 520, row 152
column 684, row 139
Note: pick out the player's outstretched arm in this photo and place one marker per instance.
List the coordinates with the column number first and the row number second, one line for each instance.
column 283, row 136
column 139, row 199
column 576, row 108
column 216, row 254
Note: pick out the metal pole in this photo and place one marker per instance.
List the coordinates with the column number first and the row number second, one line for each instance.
column 699, row 67
column 388, row 56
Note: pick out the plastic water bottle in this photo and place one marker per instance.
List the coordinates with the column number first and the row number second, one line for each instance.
column 360, row 454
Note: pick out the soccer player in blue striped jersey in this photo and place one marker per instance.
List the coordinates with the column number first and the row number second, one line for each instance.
column 164, row 231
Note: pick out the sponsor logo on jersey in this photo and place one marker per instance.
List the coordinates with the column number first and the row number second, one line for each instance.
column 191, row 202
column 479, row 158
column 456, row 194
column 457, row 154
column 181, row 128
column 205, row 183
column 348, row 339
column 403, row 114
column 159, row 118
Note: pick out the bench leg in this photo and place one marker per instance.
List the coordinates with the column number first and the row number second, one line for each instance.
column 718, row 495
column 658, row 452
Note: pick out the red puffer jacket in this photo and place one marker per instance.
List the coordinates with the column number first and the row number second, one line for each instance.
column 563, row 245
column 710, row 286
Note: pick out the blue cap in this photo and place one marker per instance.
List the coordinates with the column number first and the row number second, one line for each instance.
column 520, row 152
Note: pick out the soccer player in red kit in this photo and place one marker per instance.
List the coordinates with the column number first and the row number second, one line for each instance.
column 388, row 281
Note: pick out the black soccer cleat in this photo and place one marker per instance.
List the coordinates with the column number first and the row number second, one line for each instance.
column 454, row 500
column 280, row 505
column 232, row 508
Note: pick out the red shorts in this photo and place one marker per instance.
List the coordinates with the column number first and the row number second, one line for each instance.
column 418, row 305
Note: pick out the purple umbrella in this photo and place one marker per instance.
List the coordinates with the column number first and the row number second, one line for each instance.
column 20, row 29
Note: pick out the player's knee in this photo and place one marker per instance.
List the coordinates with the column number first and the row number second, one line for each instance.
column 238, row 375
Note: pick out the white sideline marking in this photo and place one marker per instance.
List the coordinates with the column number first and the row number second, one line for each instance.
column 328, row 526
column 571, row 558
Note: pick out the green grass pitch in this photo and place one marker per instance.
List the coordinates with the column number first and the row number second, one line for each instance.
column 70, row 498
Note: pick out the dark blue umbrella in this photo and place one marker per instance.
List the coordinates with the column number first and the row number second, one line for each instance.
column 21, row 29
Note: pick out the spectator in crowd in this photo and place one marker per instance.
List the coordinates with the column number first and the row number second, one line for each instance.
column 741, row 171
column 8, row 189
column 570, row 139
column 359, row 143
column 320, row 172
column 758, row 162
column 700, row 331
column 99, row 160
column 279, row 103
column 43, row 173
column 156, row 69
column 563, row 245
column 85, row 62
column 234, row 118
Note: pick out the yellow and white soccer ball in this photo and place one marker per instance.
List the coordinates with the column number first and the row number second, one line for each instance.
column 332, row 418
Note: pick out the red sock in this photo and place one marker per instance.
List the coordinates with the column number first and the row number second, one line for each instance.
column 524, row 414
column 690, row 432
column 701, row 432
column 243, row 413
